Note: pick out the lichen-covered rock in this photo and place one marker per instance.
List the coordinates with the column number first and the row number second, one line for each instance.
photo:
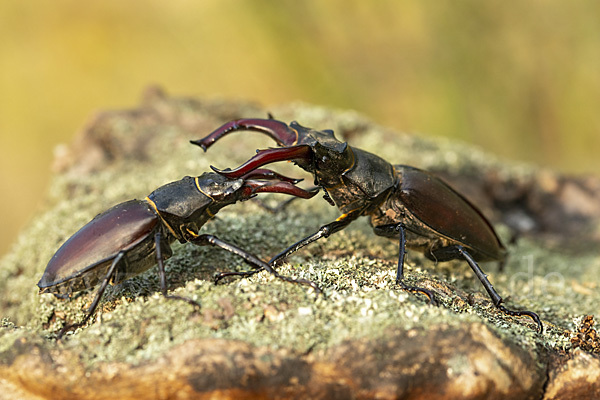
column 575, row 377
column 263, row 338
column 467, row 362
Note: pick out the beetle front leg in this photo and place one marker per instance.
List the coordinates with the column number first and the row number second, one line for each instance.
column 324, row 231
column 255, row 262
column 496, row 299
column 401, row 231
column 243, row 274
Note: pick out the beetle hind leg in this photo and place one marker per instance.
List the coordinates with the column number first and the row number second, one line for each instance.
column 496, row 299
column 109, row 274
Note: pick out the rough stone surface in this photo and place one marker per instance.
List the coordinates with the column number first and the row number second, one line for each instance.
column 574, row 378
column 263, row 338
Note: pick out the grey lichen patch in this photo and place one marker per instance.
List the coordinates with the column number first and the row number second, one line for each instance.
column 356, row 270
column 264, row 312
column 360, row 300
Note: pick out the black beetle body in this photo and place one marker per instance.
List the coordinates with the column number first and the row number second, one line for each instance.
column 133, row 236
column 403, row 202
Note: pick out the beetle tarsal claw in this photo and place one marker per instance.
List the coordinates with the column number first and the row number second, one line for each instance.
column 529, row 314
column 415, row 289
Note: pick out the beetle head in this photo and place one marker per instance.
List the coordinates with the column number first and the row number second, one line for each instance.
column 220, row 188
column 224, row 191
column 187, row 204
column 309, row 136
column 331, row 158
column 329, row 155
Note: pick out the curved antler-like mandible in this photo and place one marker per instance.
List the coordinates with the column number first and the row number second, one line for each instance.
column 277, row 130
column 267, row 174
column 279, row 187
column 263, row 157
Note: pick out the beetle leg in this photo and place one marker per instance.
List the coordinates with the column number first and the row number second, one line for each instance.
column 324, row 231
column 400, row 272
column 244, row 274
column 99, row 293
column 163, row 276
column 401, row 230
column 204, row 240
column 496, row 299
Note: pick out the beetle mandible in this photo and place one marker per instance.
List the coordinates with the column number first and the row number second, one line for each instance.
column 405, row 203
column 131, row 237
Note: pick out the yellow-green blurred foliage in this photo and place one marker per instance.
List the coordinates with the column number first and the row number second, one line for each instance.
column 520, row 78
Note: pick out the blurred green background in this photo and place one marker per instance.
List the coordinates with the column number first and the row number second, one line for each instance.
column 521, row 79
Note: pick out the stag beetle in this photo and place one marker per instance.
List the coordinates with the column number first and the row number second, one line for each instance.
column 131, row 237
column 402, row 202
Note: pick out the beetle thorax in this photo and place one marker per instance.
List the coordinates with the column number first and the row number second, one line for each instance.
column 181, row 205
